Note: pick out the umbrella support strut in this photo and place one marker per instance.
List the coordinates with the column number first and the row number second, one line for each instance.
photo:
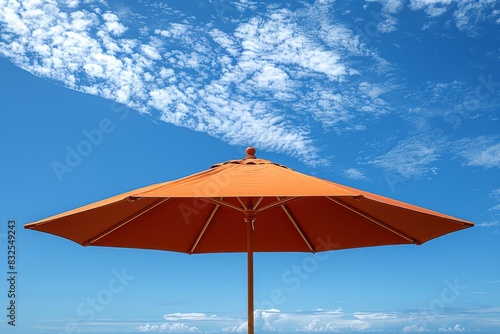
column 249, row 220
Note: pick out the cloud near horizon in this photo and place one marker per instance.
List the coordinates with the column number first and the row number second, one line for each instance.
column 323, row 321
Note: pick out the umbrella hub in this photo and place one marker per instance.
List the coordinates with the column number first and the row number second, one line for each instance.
column 250, row 153
column 249, row 159
column 250, row 216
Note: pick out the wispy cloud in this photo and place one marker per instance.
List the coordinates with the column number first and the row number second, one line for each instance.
column 470, row 13
column 276, row 77
column 188, row 316
column 466, row 14
column 436, row 114
column 354, row 174
column 443, row 100
column 414, row 157
column 411, row 157
column 431, row 7
column 489, row 224
column 482, row 151
column 388, row 22
column 495, row 193
column 267, row 81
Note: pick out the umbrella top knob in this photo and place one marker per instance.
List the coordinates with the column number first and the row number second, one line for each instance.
column 250, row 151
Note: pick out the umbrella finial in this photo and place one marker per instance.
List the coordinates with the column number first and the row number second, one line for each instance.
column 250, row 153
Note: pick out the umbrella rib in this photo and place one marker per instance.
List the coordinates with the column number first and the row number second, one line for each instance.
column 374, row 220
column 223, row 203
column 202, row 232
column 126, row 221
column 242, row 204
column 297, row 227
column 280, row 201
column 245, row 207
column 256, row 205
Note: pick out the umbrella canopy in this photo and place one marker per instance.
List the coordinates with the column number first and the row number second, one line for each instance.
column 249, row 205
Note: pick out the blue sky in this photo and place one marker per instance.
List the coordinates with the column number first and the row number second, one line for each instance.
column 400, row 98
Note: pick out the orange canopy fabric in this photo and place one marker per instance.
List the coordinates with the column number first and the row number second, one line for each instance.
column 203, row 213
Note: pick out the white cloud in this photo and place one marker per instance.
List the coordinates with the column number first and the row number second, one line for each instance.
column 187, row 316
column 150, row 52
column 267, row 82
column 447, row 100
column 414, row 329
column 71, row 3
column 495, row 208
column 372, row 90
column 431, row 7
column 392, row 6
column 180, row 322
column 467, row 14
column 376, row 315
column 277, row 39
column 482, row 151
column 175, row 30
column 470, row 13
column 113, row 25
column 495, row 193
column 264, row 320
column 272, row 78
column 354, row 174
column 273, row 320
column 94, row 70
column 322, row 321
column 338, row 325
column 410, row 157
column 489, row 224
column 389, row 8
column 456, row 328
column 168, row 327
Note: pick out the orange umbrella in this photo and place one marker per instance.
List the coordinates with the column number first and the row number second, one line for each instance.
column 249, row 205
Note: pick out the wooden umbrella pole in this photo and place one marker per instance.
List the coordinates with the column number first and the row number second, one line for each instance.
column 249, row 220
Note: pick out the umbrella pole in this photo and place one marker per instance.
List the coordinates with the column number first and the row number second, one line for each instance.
column 249, row 220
